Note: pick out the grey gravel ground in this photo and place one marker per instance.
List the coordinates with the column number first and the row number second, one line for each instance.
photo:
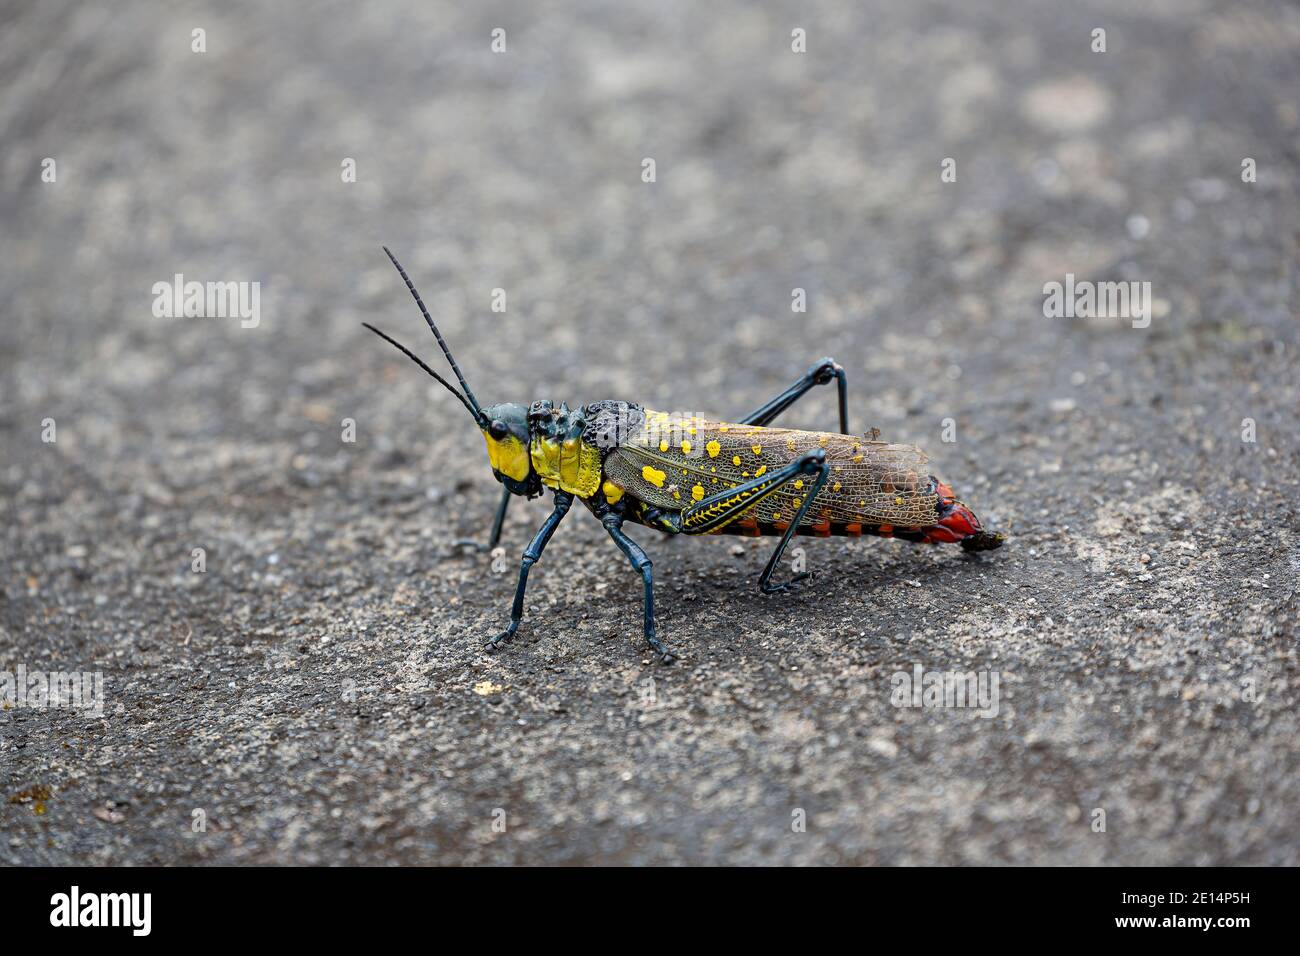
column 320, row 693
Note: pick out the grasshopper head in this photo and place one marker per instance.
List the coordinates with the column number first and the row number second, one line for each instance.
column 505, row 429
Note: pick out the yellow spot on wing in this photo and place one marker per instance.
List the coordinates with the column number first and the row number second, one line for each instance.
column 757, row 449
column 735, row 459
column 798, row 482
column 653, row 475
column 713, row 448
column 697, row 492
column 663, row 445
column 836, row 487
column 686, row 447
column 762, row 470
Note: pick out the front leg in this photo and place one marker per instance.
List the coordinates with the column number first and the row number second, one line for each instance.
column 822, row 373
column 532, row 554
column 494, row 537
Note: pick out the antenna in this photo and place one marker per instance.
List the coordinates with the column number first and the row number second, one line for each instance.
column 473, row 402
column 416, row 359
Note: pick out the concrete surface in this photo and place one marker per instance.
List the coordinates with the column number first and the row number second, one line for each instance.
column 318, row 694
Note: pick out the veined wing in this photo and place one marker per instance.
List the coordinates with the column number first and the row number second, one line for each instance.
column 676, row 459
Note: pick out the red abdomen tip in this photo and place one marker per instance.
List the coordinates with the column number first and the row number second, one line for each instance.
column 957, row 523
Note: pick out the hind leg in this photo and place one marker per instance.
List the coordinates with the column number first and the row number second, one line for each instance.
column 822, row 373
column 716, row 512
column 809, row 466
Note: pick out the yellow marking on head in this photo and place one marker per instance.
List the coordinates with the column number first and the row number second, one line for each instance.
column 686, row 446
column 508, row 456
column 713, row 448
column 612, row 492
column 798, row 482
column 653, row 475
column 697, row 493
column 756, row 449
column 663, row 444
column 735, row 459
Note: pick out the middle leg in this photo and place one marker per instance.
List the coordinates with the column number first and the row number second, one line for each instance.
column 641, row 562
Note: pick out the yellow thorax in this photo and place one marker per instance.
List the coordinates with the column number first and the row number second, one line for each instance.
column 570, row 465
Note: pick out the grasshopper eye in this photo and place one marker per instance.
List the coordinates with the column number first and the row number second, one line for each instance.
column 498, row 429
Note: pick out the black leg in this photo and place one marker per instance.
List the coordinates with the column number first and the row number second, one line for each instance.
column 495, row 537
column 820, row 374
column 640, row 561
column 531, row 555
column 813, row 463
column 716, row 511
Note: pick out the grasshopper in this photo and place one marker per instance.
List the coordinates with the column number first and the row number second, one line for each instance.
column 685, row 474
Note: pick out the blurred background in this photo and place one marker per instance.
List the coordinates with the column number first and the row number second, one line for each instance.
column 319, row 690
